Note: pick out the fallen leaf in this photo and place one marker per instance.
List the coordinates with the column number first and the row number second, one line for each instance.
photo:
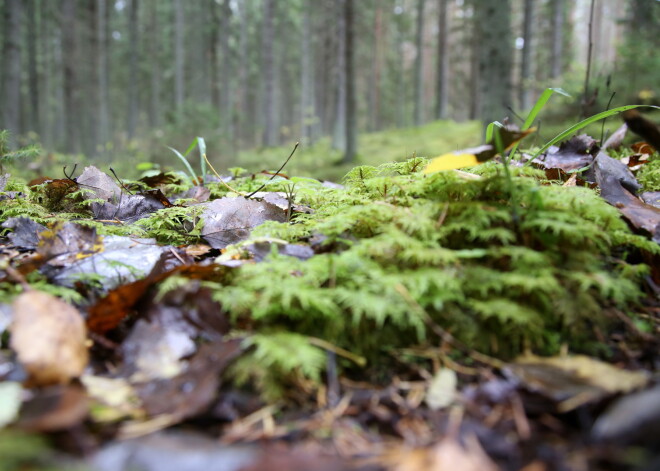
column 643, row 127
column 25, row 232
column 49, row 338
column 10, row 402
column 54, row 408
column 572, row 381
column 230, row 220
column 576, row 153
column 442, row 389
column 99, row 185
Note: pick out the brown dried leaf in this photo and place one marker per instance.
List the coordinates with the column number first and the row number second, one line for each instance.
column 49, row 338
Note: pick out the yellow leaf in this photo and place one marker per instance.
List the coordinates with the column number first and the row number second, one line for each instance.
column 451, row 161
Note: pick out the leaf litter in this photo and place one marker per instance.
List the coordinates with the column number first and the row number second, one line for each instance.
column 165, row 369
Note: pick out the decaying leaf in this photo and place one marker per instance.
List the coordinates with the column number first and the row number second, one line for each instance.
column 615, row 183
column 572, row 381
column 25, row 232
column 54, row 408
column 64, row 244
column 576, row 153
column 643, row 127
column 99, row 185
column 49, row 338
column 230, row 220
column 442, row 390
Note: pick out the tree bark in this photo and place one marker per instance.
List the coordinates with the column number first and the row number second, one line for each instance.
column 307, row 101
column 339, row 131
column 155, row 78
column 494, row 58
column 351, row 121
column 376, row 69
column 179, row 57
column 103, row 68
column 557, row 38
column 69, row 62
column 268, row 74
column 225, row 70
column 11, row 100
column 33, row 73
column 132, row 111
column 419, row 65
column 526, row 56
column 442, row 94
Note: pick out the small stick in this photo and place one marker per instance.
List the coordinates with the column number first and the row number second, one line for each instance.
column 280, row 169
column 219, row 177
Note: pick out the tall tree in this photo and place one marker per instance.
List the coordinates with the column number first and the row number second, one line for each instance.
column 34, row 115
column 70, row 86
column 339, row 131
column 268, row 73
column 419, row 64
column 376, row 68
column 179, row 56
column 155, row 75
column 103, row 68
column 351, row 118
column 132, row 110
column 494, row 58
column 307, row 101
column 556, row 59
column 225, row 69
column 442, row 78
column 11, row 99
column 527, row 53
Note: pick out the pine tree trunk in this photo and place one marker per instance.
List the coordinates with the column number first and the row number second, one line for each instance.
column 351, row 121
column 132, row 111
column 268, row 74
column 526, row 59
column 442, row 94
column 155, row 78
column 11, row 68
column 339, row 132
column 226, row 90
column 557, row 38
column 494, row 57
column 103, row 68
column 419, row 65
column 179, row 57
column 33, row 74
column 69, row 62
column 307, row 101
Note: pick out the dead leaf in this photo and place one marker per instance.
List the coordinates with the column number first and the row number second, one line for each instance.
column 442, row 390
column 99, row 185
column 576, row 153
column 25, row 232
column 572, row 381
column 49, row 338
column 54, row 408
column 615, row 186
column 64, row 244
column 129, row 208
column 616, row 139
column 643, row 127
column 230, row 220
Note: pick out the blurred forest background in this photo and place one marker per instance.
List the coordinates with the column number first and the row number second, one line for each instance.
column 112, row 78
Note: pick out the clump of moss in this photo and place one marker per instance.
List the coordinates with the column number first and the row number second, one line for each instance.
column 649, row 175
column 404, row 249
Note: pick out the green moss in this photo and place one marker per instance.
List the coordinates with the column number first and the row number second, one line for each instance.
column 649, row 174
column 501, row 279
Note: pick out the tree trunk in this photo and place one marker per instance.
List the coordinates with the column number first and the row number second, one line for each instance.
column 419, row 65
column 243, row 110
column 442, row 95
column 268, row 74
column 103, row 68
column 154, row 54
column 307, row 105
column 225, row 70
column 339, row 131
column 494, row 54
column 33, row 74
column 557, row 38
column 179, row 57
column 351, row 121
column 376, row 69
column 11, row 68
column 526, row 57
column 69, row 62
column 132, row 117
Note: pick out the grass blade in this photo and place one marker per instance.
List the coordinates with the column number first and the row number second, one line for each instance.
column 185, row 162
column 585, row 122
column 201, row 145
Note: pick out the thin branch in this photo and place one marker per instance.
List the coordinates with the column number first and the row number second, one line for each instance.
column 220, row 178
column 278, row 171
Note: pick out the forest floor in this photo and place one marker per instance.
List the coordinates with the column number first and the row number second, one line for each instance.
column 493, row 318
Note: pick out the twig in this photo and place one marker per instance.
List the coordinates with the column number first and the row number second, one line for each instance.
column 220, row 178
column 278, row 171
column 119, row 181
column 589, row 51
column 358, row 360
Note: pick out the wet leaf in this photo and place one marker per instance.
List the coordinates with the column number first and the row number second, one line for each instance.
column 573, row 381
column 230, row 220
column 25, row 232
column 99, row 185
column 261, row 250
column 10, row 401
column 576, row 153
column 64, row 244
column 49, row 338
column 129, row 208
column 614, row 188
column 442, row 390
column 54, row 408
